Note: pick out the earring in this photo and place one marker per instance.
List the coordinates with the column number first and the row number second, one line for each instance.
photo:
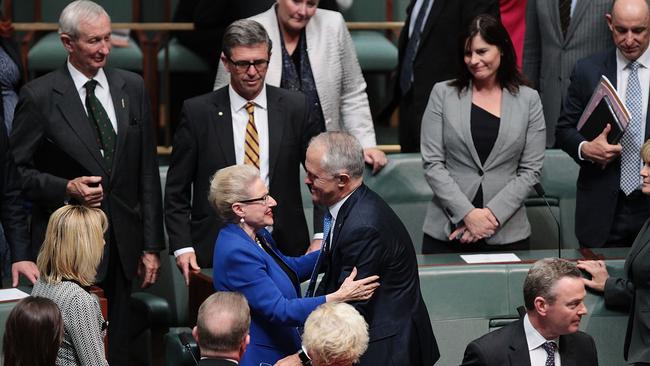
column 241, row 221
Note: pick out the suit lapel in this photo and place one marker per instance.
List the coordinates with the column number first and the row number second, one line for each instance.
column 70, row 106
column 554, row 12
column 518, row 353
column 121, row 104
column 578, row 12
column 505, row 130
column 276, row 127
column 567, row 351
column 639, row 243
column 434, row 13
column 222, row 125
column 465, row 127
column 343, row 214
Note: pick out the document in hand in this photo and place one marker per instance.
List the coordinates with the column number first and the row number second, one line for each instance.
column 605, row 106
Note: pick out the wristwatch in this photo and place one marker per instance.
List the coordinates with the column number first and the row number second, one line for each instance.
column 304, row 359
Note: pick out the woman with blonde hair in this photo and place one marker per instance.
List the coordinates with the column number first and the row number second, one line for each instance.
column 67, row 263
column 335, row 335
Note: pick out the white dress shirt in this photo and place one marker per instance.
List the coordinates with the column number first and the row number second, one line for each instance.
column 102, row 91
column 416, row 11
column 239, row 122
column 535, row 341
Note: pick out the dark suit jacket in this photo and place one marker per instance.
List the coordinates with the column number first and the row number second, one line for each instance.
column 508, row 347
column 13, row 214
column 11, row 48
column 370, row 236
column 597, row 188
column 438, row 56
column 203, row 144
column 53, row 141
column 216, row 362
column 633, row 294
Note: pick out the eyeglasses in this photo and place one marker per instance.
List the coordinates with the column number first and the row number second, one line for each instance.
column 264, row 200
column 242, row 66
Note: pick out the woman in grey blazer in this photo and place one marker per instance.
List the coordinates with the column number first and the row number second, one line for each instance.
column 483, row 138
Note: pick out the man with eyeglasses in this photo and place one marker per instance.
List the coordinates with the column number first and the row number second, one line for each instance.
column 246, row 122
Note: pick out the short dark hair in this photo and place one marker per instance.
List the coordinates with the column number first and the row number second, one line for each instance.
column 33, row 333
column 244, row 32
column 543, row 275
column 494, row 33
column 223, row 322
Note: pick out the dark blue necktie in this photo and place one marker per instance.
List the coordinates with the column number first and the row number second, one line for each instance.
column 327, row 224
column 406, row 73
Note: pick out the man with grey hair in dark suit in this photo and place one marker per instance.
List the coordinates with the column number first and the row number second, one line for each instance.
column 222, row 328
column 83, row 134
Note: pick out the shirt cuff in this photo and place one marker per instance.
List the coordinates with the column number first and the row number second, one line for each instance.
column 183, row 251
column 580, row 150
column 318, row 236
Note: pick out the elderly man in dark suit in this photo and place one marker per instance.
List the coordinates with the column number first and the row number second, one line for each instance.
column 84, row 134
column 365, row 233
column 222, row 327
column 428, row 53
column 554, row 297
column 610, row 208
column 247, row 122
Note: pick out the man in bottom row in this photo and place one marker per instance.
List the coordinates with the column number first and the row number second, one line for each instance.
column 553, row 294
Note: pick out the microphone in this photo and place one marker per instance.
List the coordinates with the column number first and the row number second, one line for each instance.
column 540, row 192
column 187, row 341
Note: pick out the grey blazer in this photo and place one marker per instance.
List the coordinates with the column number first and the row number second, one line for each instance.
column 337, row 74
column 454, row 171
column 549, row 56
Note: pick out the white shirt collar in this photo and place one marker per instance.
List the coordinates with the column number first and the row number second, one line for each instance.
column 80, row 79
column 644, row 59
column 335, row 208
column 534, row 339
column 237, row 102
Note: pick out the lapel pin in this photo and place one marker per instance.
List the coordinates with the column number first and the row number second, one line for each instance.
column 122, row 102
column 220, row 113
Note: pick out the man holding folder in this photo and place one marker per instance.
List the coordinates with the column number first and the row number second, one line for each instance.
column 610, row 208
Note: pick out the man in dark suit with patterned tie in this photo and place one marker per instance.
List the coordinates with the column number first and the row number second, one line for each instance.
column 83, row 134
column 610, row 208
column 222, row 327
column 553, row 295
column 246, row 122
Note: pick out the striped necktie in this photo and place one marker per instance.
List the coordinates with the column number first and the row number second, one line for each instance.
column 251, row 140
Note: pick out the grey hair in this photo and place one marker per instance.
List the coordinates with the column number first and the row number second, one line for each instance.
column 342, row 153
column 223, row 322
column 230, row 185
column 77, row 12
column 543, row 276
column 335, row 333
column 244, row 32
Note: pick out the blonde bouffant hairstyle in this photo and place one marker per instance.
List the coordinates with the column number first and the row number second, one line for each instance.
column 230, row 185
column 73, row 245
column 335, row 334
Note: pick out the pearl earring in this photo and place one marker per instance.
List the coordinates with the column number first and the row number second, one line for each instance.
column 241, row 221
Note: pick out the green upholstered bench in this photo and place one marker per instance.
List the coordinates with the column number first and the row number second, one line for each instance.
column 375, row 52
column 403, row 186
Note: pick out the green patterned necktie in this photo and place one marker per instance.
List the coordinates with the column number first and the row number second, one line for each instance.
column 105, row 134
